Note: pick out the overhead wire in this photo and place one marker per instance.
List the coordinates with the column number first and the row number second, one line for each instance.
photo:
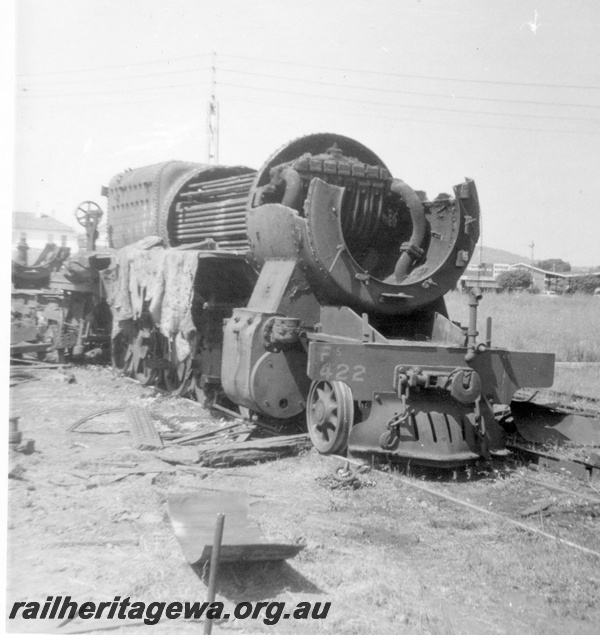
column 411, row 106
column 26, row 92
column 419, row 120
column 409, row 92
column 121, row 78
column 104, row 68
column 107, row 92
column 314, row 108
column 415, row 76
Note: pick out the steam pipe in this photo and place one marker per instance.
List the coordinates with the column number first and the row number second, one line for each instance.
column 292, row 181
column 412, row 251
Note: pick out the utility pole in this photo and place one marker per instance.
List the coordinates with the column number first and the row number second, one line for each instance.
column 531, row 246
column 212, row 118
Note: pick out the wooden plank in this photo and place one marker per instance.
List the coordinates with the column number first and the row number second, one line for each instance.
column 193, row 517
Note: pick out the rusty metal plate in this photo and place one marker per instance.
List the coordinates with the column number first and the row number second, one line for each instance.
column 193, row 516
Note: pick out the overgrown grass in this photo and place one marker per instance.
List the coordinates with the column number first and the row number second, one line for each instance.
column 582, row 380
column 568, row 326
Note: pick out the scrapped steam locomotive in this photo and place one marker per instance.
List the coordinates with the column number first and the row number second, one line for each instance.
column 313, row 285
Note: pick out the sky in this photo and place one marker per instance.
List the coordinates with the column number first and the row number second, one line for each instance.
column 507, row 93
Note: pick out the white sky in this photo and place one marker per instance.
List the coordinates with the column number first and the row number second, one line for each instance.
column 439, row 90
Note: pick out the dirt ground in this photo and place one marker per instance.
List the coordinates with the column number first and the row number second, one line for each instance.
column 391, row 558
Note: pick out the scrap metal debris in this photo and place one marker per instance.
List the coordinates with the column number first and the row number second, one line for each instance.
column 193, row 516
column 552, row 423
column 200, row 436
column 73, row 427
column 583, row 470
column 246, row 452
column 144, row 435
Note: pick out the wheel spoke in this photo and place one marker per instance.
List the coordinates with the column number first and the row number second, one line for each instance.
column 329, row 415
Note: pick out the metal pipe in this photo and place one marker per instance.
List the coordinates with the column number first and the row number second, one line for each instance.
column 232, row 229
column 202, row 229
column 488, row 332
column 214, row 568
column 208, row 215
column 212, row 223
column 475, row 294
column 417, row 214
column 228, row 202
column 293, row 184
column 210, row 234
column 249, row 176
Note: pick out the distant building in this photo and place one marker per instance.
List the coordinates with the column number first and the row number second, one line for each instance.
column 38, row 231
column 485, row 276
column 551, row 280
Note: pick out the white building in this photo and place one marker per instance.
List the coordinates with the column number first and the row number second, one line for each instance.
column 38, row 231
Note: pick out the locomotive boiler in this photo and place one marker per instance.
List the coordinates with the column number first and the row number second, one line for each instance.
column 314, row 285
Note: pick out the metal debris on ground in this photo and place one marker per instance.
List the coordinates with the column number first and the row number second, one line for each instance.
column 27, row 446
column 200, row 436
column 193, row 515
column 14, row 435
column 214, row 568
column 583, row 470
column 81, row 421
column 18, row 377
column 245, row 452
column 553, row 423
column 536, row 508
column 347, row 476
column 144, row 435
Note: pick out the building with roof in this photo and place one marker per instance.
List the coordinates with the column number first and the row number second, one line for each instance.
column 37, row 231
column 552, row 280
column 485, row 277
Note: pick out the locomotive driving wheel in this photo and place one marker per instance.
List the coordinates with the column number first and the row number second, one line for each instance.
column 329, row 416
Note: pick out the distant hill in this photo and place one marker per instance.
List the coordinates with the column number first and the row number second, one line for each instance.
column 498, row 256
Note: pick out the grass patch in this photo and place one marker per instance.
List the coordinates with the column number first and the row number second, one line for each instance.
column 578, row 380
column 566, row 325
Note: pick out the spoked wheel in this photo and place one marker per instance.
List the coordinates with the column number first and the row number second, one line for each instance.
column 88, row 212
column 329, row 416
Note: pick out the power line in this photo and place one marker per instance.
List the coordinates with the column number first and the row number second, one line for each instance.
column 108, row 92
column 434, row 108
column 408, row 92
column 312, row 107
column 110, row 79
column 286, row 105
column 328, row 84
column 412, row 76
column 104, row 68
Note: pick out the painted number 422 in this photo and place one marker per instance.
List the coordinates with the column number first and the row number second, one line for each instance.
column 343, row 372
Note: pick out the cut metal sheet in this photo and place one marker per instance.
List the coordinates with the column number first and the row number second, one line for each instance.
column 193, row 516
column 539, row 424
